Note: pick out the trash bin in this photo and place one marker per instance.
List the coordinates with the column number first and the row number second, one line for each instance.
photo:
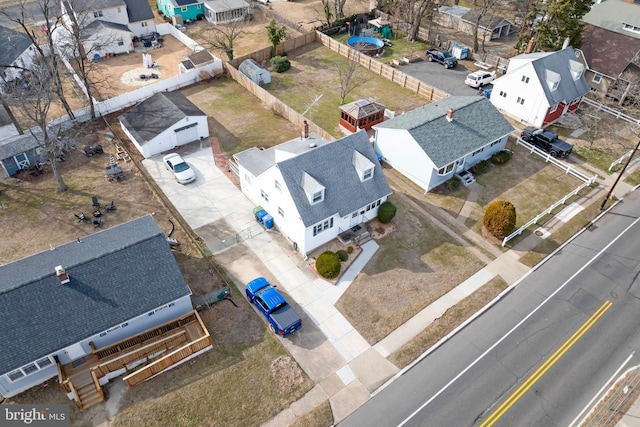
column 267, row 220
column 460, row 51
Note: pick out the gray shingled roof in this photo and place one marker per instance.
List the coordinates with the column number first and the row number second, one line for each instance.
column 138, row 10
column 17, row 144
column 116, row 275
column 331, row 165
column 610, row 14
column 91, row 5
column 157, row 113
column 14, row 43
column 558, row 62
column 224, row 5
column 89, row 32
column 608, row 52
column 476, row 123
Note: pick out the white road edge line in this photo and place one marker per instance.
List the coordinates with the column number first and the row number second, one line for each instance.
column 464, row 371
column 599, row 393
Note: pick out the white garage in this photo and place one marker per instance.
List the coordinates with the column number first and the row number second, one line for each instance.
column 162, row 122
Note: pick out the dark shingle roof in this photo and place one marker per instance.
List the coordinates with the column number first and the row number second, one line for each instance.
column 559, row 63
column 138, row 10
column 89, row 32
column 608, row 52
column 116, row 275
column 476, row 123
column 17, row 144
column 156, row 114
column 14, row 43
column 331, row 165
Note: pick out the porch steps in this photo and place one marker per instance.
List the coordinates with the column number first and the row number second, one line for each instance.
column 466, row 178
column 363, row 238
column 88, row 394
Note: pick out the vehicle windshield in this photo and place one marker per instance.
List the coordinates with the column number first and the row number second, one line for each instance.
column 181, row 167
column 471, row 77
column 446, row 54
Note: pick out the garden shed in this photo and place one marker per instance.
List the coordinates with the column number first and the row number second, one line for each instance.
column 255, row 72
column 361, row 114
column 18, row 152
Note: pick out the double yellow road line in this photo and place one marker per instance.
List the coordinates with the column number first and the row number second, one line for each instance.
column 495, row 416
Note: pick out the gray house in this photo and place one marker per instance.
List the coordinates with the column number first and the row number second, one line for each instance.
column 431, row 143
column 93, row 309
column 315, row 189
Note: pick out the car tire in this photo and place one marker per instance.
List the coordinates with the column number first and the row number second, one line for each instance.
column 554, row 154
column 446, row 66
column 430, row 59
column 272, row 329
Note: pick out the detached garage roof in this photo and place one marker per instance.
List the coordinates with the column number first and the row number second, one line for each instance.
column 158, row 113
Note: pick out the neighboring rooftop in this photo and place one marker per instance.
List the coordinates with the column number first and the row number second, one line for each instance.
column 14, row 43
column 138, row 10
column 476, row 122
column 615, row 15
column 115, row 275
column 90, row 31
column 608, row 52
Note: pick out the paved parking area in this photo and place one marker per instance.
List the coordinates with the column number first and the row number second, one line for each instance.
column 449, row 80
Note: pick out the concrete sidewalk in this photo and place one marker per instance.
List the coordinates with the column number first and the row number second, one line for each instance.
column 344, row 367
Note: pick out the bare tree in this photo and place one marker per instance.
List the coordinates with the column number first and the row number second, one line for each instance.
column 349, row 77
column 40, row 37
column 416, row 12
column 339, row 8
column 481, row 13
column 33, row 100
column 223, row 37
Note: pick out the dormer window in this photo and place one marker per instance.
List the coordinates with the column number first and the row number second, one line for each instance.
column 553, row 79
column 364, row 166
column 313, row 189
column 576, row 69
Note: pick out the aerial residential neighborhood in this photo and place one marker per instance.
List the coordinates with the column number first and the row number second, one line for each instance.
column 270, row 213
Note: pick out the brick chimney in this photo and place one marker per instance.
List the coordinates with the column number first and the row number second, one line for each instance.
column 450, row 115
column 305, row 129
column 62, row 275
column 530, row 45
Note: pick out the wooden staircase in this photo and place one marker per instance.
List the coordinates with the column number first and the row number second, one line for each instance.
column 88, row 393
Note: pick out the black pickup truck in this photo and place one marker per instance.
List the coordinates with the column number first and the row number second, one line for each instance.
column 547, row 141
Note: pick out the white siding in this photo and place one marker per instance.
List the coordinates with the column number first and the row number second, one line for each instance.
column 138, row 29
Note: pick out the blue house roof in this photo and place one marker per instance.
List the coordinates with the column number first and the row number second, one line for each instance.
column 476, row 123
column 116, row 274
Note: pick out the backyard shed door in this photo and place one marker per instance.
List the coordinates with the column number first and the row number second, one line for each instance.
column 74, row 351
column 187, row 135
column 22, row 161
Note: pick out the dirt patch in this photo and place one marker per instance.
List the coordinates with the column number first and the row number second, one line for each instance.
column 287, row 374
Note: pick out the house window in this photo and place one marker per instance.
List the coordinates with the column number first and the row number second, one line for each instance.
column 30, row 368
column 119, row 9
column 264, row 195
column 278, row 185
column 199, row 5
column 495, row 143
column 520, row 101
column 445, row 170
column 378, row 203
column 631, row 28
column 367, row 174
column 597, row 78
column 555, row 85
column 478, row 151
column 553, row 108
column 354, row 215
column 144, row 24
column 15, row 375
column 43, row 363
column 247, row 178
column 98, row 14
column 317, row 197
column 280, row 212
column 184, row 9
column 120, row 43
column 503, row 94
column 525, row 79
column 319, row 228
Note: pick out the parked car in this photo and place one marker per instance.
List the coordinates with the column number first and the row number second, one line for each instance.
column 480, row 78
column 443, row 57
column 547, row 141
column 181, row 169
column 283, row 320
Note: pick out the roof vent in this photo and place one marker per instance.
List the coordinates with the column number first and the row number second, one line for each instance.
column 62, row 275
column 450, row 115
column 313, row 145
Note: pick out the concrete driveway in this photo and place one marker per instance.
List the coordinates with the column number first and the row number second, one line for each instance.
column 448, row 80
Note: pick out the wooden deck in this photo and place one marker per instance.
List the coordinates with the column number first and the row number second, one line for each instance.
column 139, row 357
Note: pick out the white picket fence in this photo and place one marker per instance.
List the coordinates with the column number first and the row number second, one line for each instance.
column 586, row 182
column 617, row 114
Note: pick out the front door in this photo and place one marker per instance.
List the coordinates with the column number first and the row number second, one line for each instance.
column 22, row 161
column 74, row 351
column 459, row 165
column 355, row 219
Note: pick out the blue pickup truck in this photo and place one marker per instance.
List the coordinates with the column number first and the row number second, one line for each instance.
column 283, row 320
column 443, row 57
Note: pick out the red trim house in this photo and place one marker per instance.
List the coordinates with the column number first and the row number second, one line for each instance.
column 361, row 114
column 540, row 87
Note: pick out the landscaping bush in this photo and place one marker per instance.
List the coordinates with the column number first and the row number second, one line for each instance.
column 349, row 249
column 386, row 212
column 501, row 157
column 453, row 184
column 480, row 167
column 500, row 218
column 328, row 265
column 280, row 64
column 342, row 255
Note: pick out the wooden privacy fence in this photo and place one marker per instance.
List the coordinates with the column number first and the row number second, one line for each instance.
column 390, row 73
column 273, row 103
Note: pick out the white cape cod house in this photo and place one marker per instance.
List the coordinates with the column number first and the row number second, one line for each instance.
column 313, row 188
column 430, row 144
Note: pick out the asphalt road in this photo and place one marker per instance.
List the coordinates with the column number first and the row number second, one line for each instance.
column 543, row 353
column 32, row 13
column 449, row 80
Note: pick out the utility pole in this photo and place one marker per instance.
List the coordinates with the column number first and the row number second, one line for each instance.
column 604, row 202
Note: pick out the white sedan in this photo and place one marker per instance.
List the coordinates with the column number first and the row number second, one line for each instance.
column 478, row 79
column 181, row 169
